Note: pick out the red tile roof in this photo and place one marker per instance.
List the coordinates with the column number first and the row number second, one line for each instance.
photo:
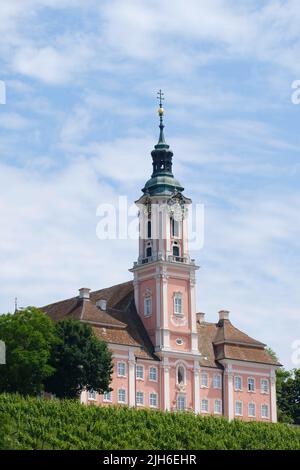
column 121, row 324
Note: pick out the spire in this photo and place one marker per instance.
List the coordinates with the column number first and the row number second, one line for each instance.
column 161, row 140
column 162, row 180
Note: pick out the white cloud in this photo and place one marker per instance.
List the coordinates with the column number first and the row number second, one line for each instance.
column 13, row 121
column 96, row 144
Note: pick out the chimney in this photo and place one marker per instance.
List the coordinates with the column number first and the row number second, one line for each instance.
column 102, row 304
column 84, row 293
column 224, row 315
column 200, row 317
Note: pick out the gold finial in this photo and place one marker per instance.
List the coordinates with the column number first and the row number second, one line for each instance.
column 160, row 97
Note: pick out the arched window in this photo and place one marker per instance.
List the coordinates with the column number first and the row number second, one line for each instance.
column 180, row 375
column 149, row 229
column 148, row 251
column 175, row 250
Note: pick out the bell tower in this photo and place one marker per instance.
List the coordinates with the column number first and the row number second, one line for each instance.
column 164, row 273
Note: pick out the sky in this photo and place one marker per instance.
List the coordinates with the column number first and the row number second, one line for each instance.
column 80, row 121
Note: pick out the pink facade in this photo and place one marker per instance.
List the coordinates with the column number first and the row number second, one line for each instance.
column 177, row 378
column 193, row 365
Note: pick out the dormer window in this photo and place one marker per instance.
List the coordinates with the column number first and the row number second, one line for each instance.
column 178, row 304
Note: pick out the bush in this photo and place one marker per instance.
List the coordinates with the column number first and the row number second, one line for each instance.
column 66, row 424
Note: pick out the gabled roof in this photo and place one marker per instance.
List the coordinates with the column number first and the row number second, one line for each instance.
column 121, row 324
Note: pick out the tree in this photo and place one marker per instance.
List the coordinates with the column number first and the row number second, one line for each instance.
column 289, row 396
column 29, row 336
column 80, row 360
column 288, row 393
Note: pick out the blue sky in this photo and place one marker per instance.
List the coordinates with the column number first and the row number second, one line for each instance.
column 80, row 121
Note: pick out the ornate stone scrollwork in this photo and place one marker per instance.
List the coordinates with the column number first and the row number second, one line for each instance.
column 176, row 206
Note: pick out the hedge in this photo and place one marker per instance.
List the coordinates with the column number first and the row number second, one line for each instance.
column 35, row 423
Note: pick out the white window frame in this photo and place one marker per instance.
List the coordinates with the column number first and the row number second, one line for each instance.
column 204, row 374
column 179, row 341
column 139, row 367
column 238, row 402
column 220, row 402
column 217, row 386
column 156, row 374
column 254, row 384
column 249, row 414
column 265, row 406
column 181, row 397
column 121, row 390
column 148, row 305
column 178, row 296
column 107, row 398
column 151, row 397
column 92, row 395
column 119, row 363
column 264, row 390
column 238, row 377
column 206, row 409
column 141, row 395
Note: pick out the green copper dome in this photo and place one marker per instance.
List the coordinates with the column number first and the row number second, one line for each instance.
column 164, row 185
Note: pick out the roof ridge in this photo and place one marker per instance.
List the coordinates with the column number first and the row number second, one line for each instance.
column 110, row 287
column 59, row 302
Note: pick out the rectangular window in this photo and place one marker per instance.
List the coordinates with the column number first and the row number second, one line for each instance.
column 92, row 395
column 107, row 396
column 174, row 227
column 140, row 372
column 264, row 386
column 251, row 410
column 181, row 402
column 204, row 380
column 149, row 229
column 121, row 368
column 148, row 306
column 264, row 411
column 178, row 304
column 238, row 384
column 204, row 405
column 139, row 398
column 153, row 374
column 153, row 400
column 217, row 382
column 238, row 408
column 121, row 395
column 218, row 407
column 251, row 384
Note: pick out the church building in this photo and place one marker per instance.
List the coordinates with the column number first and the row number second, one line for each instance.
column 166, row 355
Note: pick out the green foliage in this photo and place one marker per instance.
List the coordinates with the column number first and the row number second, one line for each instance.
column 66, row 424
column 29, row 336
column 288, row 395
column 80, row 361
